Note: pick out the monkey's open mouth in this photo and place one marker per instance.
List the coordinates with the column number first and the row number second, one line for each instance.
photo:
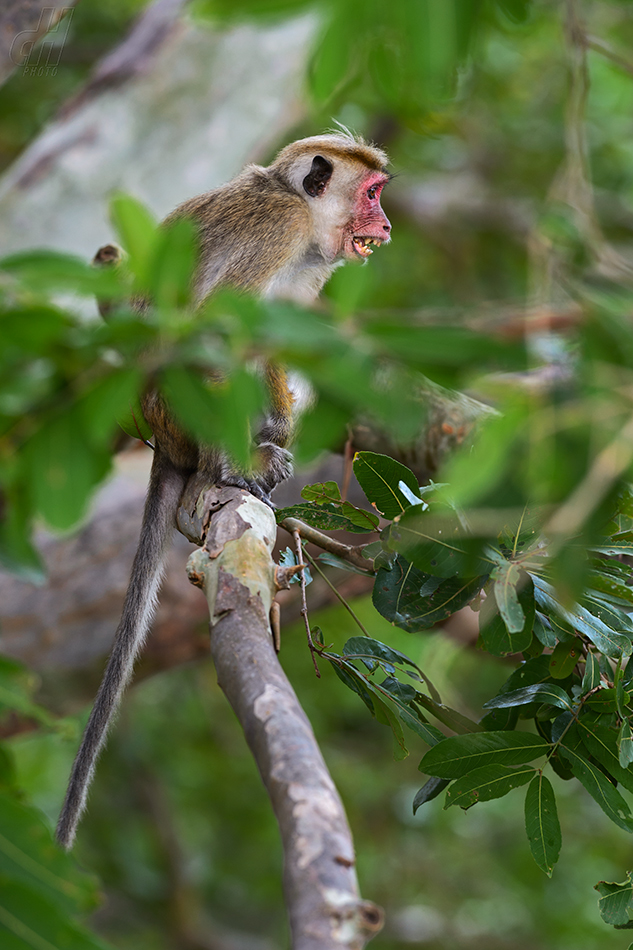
column 361, row 245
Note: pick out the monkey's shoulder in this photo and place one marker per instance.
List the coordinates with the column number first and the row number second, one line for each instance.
column 250, row 229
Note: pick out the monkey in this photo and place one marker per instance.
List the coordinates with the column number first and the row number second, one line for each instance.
column 277, row 232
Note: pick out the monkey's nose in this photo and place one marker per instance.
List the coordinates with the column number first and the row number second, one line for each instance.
column 386, row 227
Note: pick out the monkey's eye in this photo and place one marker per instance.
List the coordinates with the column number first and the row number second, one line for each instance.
column 372, row 192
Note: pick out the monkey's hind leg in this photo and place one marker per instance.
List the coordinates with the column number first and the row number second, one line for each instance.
column 165, row 489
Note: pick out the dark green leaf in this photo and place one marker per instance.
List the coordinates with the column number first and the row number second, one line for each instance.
column 450, row 717
column 438, row 545
column 495, row 635
column 361, row 647
column 329, row 517
column 543, row 631
column 30, row 920
column 378, row 476
column 564, row 658
column 591, row 677
column 541, row 823
column 607, row 640
column 603, row 700
column 400, row 596
column 596, row 782
column 484, row 784
column 29, row 856
column 601, row 742
column 459, row 755
column 538, row 692
column 615, row 901
column 506, row 576
column 429, row 791
column 625, row 745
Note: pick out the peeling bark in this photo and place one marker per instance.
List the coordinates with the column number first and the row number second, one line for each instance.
column 236, row 571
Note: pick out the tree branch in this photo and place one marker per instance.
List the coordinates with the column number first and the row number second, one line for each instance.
column 236, row 571
column 348, row 552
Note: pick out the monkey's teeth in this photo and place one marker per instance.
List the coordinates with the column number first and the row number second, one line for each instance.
column 362, row 246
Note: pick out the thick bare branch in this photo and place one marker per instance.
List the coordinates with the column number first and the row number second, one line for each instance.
column 237, row 573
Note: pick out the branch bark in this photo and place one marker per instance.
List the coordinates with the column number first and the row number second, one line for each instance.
column 237, row 574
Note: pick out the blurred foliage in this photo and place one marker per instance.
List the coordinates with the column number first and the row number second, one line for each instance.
column 510, row 275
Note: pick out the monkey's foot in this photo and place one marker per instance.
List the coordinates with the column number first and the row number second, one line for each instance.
column 274, row 465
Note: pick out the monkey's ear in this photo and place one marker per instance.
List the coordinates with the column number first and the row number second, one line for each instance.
column 317, row 178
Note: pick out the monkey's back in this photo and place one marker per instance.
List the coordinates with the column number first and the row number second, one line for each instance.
column 249, row 228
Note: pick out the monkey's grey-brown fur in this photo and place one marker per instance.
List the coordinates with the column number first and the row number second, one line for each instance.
column 278, row 232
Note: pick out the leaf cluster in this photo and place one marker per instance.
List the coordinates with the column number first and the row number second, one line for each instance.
column 575, row 679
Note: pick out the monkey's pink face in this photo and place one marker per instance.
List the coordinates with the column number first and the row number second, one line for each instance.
column 369, row 224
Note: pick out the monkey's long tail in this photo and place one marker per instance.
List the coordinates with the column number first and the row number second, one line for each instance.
column 165, row 489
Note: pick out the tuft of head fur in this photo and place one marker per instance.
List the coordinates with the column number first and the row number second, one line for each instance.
column 332, row 144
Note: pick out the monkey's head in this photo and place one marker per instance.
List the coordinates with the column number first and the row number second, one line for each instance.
column 341, row 178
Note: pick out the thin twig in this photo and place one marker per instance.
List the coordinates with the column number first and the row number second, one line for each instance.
column 600, row 46
column 334, row 590
column 304, row 602
column 348, row 455
column 348, row 552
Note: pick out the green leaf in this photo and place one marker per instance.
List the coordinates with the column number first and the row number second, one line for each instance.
column 438, row 544
column 219, row 414
column 614, row 617
column 538, row 692
column 137, row 231
column 450, row 717
column 378, row 476
column 596, row 782
column 365, row 647
column 607, row 640
column 415, row 601
column 109, row 400
column 612, row 587
column 543, row 631
column 603, row 700
column 62, row 469
column 429, row 791
column 496, row 637
column 601, row 742
column 591, row 677
column 484, row 784
column 615, row 901
column 625, row 745
column 385, row 715
column 330, row 517
column 506, row 576
column 28, row 855
column 541, row 823
column 53, row 271
column 564, row 658
column 459, row 755
column 172, row 264
column 31, row 922
column 322, row 493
